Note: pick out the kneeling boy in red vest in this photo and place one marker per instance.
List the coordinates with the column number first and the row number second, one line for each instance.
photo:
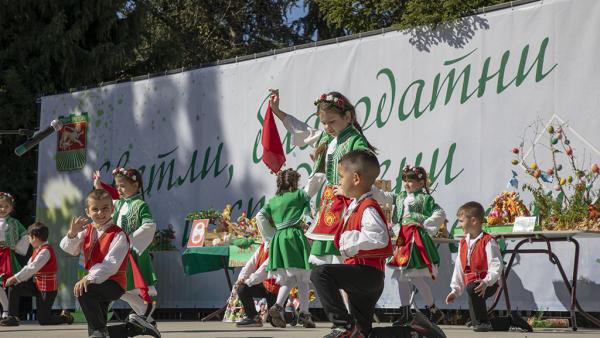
column 38, row 279
column 105, row 247
column 478, row 266
column 365, row 244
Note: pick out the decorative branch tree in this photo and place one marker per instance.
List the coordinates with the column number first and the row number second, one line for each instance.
column 571, row 202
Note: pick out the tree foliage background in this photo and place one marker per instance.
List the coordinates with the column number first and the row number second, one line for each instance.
column 51, row 46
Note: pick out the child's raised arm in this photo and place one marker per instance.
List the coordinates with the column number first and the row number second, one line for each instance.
column 72, row 241
column 98, row 184
column 302, row 133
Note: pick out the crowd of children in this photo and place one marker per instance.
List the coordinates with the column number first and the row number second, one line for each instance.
column 344, row 252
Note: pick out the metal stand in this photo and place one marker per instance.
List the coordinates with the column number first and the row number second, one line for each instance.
column 220, row 311
column 571, row 286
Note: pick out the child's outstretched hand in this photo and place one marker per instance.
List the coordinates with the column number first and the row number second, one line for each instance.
column 12, row 281
column 97, row 180
column 77, row 225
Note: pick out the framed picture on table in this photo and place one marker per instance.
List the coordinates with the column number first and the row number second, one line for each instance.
column 198, row 233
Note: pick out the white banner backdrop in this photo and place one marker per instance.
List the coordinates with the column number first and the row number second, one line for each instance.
column 453, row 104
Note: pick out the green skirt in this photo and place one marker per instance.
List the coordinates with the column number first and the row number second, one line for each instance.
column 324, row 248
column 289, row 248
column 144, row 262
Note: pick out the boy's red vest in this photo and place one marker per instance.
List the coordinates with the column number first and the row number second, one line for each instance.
column 376, row 257
column 478, row 261
column 94, row 253
column 45, row 278
column 269, row 284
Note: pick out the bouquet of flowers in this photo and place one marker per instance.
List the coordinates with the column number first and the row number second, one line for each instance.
column 505, row 208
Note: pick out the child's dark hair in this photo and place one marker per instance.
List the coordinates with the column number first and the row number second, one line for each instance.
column 362, row 161
column 287, row 180
column 416, row 174
column 340, row 105
column 472, row 209
column 38, row 230
column 132, row 176
column 4, row 196
column 98, row 195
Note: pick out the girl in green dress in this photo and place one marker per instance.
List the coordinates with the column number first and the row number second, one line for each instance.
column 416, row 257
column 289, row 249
column 13, row 240
column 341, row 134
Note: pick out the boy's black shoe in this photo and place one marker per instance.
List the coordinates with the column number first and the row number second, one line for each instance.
column 144, row 326
column 9, row 321
column 345, row 332
column 250, row 322
column 67, row 317
column 483, row 327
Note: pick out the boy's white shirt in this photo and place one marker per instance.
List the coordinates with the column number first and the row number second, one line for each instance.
column 372, row 235
column 494, row 262
column 33, row 265
column 250, row 275
column 117, row 252
column 22, row 245
column 143, row 236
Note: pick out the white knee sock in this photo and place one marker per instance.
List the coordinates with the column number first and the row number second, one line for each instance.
column 424, row 290
column 3, row 300
column 135, row 301
column 282, row 295
column 303, row 292
column 404, row 288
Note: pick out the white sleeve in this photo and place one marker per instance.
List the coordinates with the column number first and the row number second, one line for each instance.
column 494, row 260
column 457, row 284
column 248, row 268
column 22, row 245
column 265, row 227
column 314, row 184
column 433, row 223
column 117, row 252
column 383, row 197
column 259, row 275
column 302, row 133
column 33, row 266
column 72, row 246
column 143, row 237
column 373, row 235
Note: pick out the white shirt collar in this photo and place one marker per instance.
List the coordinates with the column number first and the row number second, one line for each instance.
column 104, row 226
column 354, row 204
column 468, row 237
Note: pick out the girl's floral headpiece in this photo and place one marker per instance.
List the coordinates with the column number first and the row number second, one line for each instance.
column 338, row 101
column 118, row 171
column 419, row 172
column 7, row 195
